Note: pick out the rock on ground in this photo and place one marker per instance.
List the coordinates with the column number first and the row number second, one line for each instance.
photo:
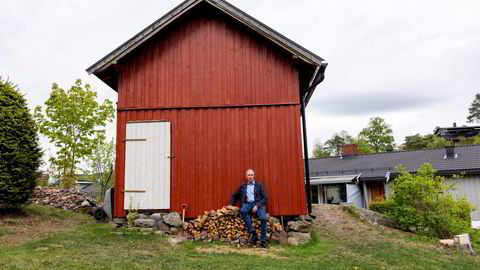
column 119, row 221
column 375, row 218
column 447, row 242
column 145, row 223
column 300, row 238
column 156, row 216
column 173, row 219
column 85, row 204
column 115, row 225
column 307, row 218
column 300, row 226
column 143, row 216
column 292, row 241
column 162, row 226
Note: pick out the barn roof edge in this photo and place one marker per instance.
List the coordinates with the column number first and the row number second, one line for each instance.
column 250, row 22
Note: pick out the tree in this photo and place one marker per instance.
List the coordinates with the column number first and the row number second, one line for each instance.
column 422, row 203
column 319, row 150
column 469, row 140
column 414, row 142
column 101, row 166
column 418, row 141
column 335, row 144
column 476, row 140
column 378, row 134
column 362, row 146
column 75, row 122
column 474, row 110
column 20, row 153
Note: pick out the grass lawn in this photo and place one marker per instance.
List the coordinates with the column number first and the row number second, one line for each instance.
column 48, row 238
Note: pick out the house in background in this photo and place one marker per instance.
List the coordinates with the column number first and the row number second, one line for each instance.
column 454, row 133
column 361, row 179
column 204, row 93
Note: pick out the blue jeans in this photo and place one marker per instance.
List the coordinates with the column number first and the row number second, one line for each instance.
column 245, row 212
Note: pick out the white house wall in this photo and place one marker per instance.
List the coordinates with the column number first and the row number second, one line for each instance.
column 468, row 187
column 354, row 195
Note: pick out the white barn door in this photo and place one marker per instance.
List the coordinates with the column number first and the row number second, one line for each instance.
column 147, row 166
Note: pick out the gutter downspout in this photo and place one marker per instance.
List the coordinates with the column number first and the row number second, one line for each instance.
column 317, row 78
column 305, row 158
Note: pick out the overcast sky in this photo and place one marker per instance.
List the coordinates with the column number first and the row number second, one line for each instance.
column 414, row 63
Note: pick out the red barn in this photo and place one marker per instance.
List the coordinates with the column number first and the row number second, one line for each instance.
column 204, row 93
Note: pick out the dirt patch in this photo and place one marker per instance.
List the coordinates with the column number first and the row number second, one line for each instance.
column 335, row 220
column 271, row 252
column 340, row 224
column 332, row 219
column 21, row 227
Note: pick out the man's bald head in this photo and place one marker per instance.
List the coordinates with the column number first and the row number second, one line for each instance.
column 250, row 175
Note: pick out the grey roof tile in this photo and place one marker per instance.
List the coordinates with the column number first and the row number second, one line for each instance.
column 377, row 165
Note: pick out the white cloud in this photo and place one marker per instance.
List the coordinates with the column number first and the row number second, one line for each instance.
column 418, row 59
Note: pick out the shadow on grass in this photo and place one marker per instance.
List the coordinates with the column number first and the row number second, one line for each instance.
column 34, row 210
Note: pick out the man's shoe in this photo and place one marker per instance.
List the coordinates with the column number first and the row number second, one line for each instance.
column 252, row 239
column 263, row 244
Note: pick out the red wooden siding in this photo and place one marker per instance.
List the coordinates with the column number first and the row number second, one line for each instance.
column 206, row 61
column 233, row 101
column 214, row 147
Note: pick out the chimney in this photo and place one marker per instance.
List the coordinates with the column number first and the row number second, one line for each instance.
column 450, row 152
column 454, row 124
column 349, row 150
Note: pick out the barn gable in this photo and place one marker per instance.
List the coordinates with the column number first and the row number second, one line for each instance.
column 310, row 64
column 207, row 60
column 203, row 94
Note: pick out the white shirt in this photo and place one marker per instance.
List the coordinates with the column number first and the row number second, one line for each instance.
column 250, row 190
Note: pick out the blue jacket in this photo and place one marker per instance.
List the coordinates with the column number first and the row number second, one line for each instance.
column 260, row 195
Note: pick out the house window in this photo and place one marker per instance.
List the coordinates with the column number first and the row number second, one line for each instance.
column 335, row 194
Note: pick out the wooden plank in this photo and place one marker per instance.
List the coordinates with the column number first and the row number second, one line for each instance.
column 263, row 149
column 133, row 191
column 290, row 160
column 188, row 65
column 161, row 84
column 154, row 74
column 135, row 140
column 119, row 165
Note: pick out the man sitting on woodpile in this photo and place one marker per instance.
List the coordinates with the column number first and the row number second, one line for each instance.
column 253, row 199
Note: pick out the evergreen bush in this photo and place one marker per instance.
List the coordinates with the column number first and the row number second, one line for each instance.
column 20, row 153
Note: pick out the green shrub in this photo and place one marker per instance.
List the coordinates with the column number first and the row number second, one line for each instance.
column 475, row 238
column 20, row 154
column 421, row 203
column 131, row 217
column 379, row 207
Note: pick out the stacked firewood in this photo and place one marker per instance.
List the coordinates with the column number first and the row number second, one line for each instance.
column 226, row 224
